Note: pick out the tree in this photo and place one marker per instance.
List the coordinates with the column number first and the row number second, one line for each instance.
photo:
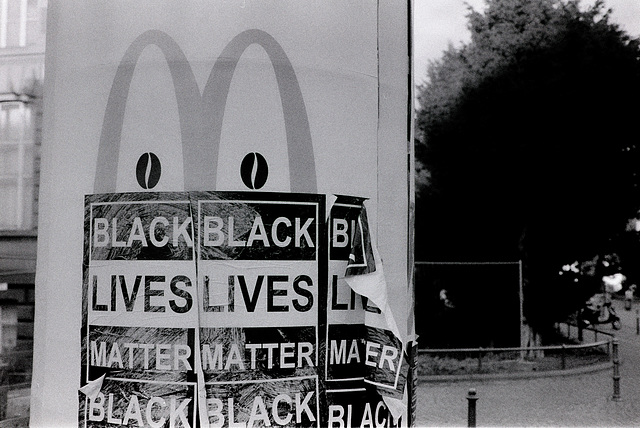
column 526, row 137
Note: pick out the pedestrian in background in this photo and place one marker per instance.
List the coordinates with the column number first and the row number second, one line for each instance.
column 628, row 297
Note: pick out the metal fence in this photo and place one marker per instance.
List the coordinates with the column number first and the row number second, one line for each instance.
column 571, row 327
column 563, row 356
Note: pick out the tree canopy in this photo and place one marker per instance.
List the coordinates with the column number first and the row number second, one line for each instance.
column 527, row 144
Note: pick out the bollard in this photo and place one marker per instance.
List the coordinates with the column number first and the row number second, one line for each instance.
column 480, row 359
column 563, row 357
column 471, row 415
column 616, row 370
column 579, row 331
column 637, row 321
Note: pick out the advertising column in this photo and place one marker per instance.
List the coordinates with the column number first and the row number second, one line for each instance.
column 195, row 264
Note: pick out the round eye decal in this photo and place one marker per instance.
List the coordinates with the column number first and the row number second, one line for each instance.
column 254, row 170
column 148, row 170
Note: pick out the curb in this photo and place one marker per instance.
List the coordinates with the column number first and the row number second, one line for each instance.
column 423, row 379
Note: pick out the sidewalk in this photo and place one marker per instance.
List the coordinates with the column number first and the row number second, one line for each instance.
column 581, row 400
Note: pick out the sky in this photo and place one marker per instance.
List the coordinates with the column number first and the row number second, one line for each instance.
column 437, row 23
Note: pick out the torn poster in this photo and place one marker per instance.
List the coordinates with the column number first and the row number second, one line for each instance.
column 386, row 360
column 350, row 400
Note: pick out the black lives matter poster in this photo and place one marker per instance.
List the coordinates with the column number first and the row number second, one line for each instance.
column 352, row 351
column 203, row 291
column 140, row 316
column 262, row 275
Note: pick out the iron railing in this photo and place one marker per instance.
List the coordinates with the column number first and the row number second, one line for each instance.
column 480, row 354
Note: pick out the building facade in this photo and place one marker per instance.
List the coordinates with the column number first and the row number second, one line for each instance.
column 22, row 46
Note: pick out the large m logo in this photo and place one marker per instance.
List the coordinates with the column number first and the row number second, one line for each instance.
column 201, row 115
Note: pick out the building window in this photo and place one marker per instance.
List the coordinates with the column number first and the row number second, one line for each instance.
column 17, row 161
column 19, row 22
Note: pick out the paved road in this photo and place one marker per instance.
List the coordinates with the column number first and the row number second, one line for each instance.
column 568, row 401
